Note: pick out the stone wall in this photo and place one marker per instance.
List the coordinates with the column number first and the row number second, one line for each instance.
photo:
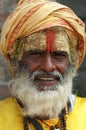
column 6, row 6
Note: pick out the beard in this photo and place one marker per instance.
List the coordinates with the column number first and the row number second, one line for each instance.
column 44, row 104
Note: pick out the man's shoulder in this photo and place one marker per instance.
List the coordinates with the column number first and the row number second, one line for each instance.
column 10, row 114
column 77, row 116
column 6, row 102
column 81, row 100
column 7, row 106
column 77, row 100
column 80, row 104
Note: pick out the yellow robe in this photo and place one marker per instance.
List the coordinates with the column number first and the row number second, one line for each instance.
column 11, row 118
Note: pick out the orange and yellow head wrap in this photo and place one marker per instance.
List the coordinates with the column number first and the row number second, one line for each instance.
column 36, row 15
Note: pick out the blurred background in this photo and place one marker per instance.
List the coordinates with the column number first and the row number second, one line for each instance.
column 79, row 6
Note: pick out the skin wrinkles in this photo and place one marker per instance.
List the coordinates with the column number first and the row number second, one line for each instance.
column 47, row 62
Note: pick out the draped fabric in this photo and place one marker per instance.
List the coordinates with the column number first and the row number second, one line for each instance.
column 32, row 16
column 11, row 116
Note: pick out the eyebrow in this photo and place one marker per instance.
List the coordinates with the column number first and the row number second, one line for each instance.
column 36, row 50
column 40, row 51
column 60, row 52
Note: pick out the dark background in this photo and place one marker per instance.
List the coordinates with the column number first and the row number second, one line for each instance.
column 79, row 7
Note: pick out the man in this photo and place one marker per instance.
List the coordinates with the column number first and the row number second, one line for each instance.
column 44, row 44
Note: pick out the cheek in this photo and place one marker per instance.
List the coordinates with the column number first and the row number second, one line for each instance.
column 63, row 66
column 32, row 66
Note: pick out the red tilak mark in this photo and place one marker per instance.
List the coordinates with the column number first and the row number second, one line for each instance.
column 50, row 39
column 29, row 0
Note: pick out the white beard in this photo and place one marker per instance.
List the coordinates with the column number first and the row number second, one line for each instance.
column 48, row 103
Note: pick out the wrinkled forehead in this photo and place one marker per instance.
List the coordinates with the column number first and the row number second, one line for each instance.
column 53, row 39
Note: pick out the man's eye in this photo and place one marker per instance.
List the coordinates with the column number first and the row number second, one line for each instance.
column 60, row 54
column 35, row 53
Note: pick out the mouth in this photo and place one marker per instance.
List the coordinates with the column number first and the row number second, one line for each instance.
column 46, row 82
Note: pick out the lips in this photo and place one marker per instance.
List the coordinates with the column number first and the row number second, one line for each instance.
column 47, row 81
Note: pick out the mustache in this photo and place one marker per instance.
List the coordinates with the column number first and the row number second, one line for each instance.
column 55, row 74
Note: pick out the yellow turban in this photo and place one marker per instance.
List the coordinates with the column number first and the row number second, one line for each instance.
column 33, row 16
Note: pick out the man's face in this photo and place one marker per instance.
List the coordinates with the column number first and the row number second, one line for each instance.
column 47, row 59
column 46, row 64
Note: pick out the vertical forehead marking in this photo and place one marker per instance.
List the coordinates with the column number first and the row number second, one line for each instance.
column 50, row 39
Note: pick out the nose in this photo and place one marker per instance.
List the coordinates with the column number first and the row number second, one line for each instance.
column 47, row 63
